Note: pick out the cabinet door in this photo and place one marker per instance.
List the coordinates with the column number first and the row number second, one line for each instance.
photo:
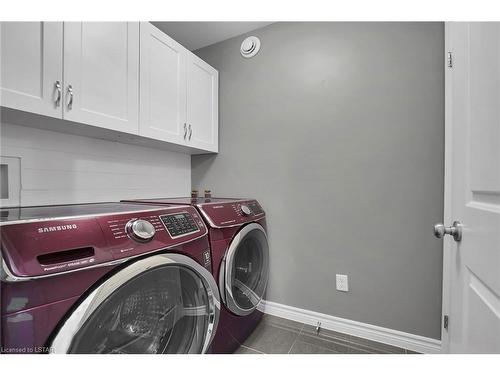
column 31, row 66
column 163, row 86
column 202, row 104
column 101, row 74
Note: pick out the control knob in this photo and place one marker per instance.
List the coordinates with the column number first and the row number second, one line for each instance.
column 245, row 210
column 141, row 230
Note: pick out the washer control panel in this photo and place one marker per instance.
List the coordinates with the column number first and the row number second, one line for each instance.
column 179, row 224
column 140, row 230
column 54, row 245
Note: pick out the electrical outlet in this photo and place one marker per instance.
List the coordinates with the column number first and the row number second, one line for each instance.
column 342, row 283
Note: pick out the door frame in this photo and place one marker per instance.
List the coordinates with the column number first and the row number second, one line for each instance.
column 448, row 180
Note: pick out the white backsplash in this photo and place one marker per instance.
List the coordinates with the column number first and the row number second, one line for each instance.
column 59, row 168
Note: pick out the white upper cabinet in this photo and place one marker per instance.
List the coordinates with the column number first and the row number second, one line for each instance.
column 31, row 67
column 202, row 104
column 128, row 77
column 163, row 86
column 101, row 74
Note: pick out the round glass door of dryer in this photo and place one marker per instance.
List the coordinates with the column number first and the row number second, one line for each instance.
column 163, row 304
column 245, row 270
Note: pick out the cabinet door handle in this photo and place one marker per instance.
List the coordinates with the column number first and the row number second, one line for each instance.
column 57, row 85
column 185, row 130
column 70, row 93
column 190, row 132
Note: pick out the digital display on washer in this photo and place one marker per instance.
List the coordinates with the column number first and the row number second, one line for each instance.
column 179, row 224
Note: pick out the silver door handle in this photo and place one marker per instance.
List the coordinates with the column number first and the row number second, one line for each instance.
column 57, row 85
column 455, row 230
column 70, row 93
column 190, row 132
column 185, row 130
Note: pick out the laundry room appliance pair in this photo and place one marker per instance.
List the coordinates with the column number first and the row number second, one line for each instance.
column 240, row 262
column 106, row 278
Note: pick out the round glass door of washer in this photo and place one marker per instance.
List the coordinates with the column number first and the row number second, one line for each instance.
column 163, row 304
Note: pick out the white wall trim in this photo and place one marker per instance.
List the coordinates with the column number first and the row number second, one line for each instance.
column 371, row 332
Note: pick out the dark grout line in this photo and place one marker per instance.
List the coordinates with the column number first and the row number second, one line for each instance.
column 255, row 350
column 296, row 338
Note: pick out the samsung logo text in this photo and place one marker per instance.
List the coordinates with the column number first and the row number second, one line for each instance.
column 57, row 228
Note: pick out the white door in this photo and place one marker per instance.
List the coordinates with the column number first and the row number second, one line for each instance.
column 163, row 86
column 101, row 74
column 473, row 178
column 31, row 67
column 202, row 104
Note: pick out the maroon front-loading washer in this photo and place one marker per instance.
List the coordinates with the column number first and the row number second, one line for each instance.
column 240, row 258
column 106, row 278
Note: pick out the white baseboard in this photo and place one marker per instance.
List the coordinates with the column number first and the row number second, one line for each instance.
column 384, row 335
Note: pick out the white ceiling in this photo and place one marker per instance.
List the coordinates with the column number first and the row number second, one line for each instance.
column 194, row 35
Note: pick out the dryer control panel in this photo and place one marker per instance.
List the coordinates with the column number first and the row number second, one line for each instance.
column 226, row 214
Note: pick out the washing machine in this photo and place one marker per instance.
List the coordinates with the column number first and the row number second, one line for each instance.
column 106, row 278
column 240, row 257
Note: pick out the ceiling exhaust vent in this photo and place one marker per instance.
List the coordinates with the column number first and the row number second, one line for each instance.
column 249, row 47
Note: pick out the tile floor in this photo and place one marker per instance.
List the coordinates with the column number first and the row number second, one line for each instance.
column 281, row 336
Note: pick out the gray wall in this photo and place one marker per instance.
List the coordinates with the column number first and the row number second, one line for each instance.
column 338, row 129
